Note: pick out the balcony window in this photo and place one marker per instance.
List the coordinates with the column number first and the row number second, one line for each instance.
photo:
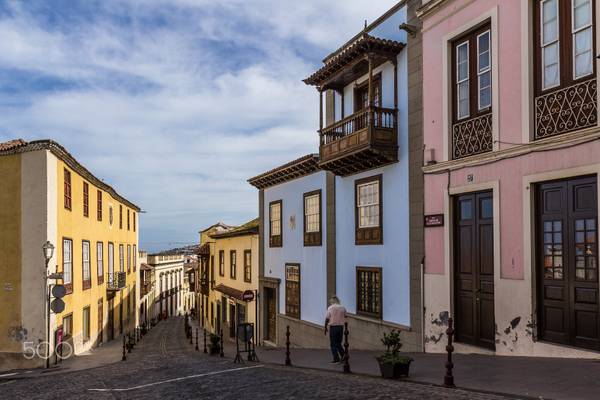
column 565, row 78
column 472, row 93
column 369, row 211
column 99, row 210
column 275, row 224
column 368, row 290
column 292, row 290
column 312, row 218
column 68, row 264
column 247, row 266
column 100, row 261
column 86, row 199
column 67, row 189
column 85, row 256
column 232, row 264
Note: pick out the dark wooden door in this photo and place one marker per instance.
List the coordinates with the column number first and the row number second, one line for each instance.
column 271, row 314
column 474, row 269
column 100, row 321
column 218, row 322
column 232, row 319
column 567, row 262
column 111, row 319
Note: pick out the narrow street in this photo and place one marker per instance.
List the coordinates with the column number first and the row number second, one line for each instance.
column 164, row 365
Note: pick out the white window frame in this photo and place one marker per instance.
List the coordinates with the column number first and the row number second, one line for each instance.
column 574, row 32
column 544, row 45
column 121, row 258
column 111, row 258
column 273, row 220
column 481, row 72
column 100, row 258
column 375, row 204
column 85, row 257
column 67, row 262
column 307, row 214
column 466, row 80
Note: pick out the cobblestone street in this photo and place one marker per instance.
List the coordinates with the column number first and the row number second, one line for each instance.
column 164, row 365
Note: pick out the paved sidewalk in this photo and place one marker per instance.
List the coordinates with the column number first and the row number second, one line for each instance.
column 544, row 378
column 109, row 353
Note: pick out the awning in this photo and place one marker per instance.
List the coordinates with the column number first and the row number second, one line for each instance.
column 229, row 291
column 145, row 267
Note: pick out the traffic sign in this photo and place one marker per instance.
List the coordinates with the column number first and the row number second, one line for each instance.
column 59, row 291
column 57, row 306
column 248, row 295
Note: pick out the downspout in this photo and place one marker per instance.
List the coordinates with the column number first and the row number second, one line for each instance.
column 423, row 304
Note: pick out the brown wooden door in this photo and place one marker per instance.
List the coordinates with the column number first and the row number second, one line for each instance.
column 111, row 319
column 271, row 314
column 232, row 319
column 567, row 262
column 100, row 321
column 474, row 269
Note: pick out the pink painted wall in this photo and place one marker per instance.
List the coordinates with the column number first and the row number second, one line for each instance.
column 508, row 172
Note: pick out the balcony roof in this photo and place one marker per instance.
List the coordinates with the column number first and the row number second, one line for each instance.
column 350, row 62
column 302, row 166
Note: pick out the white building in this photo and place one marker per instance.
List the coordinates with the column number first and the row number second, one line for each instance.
column 168, row 278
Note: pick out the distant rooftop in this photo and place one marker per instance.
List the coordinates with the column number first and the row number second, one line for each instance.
column 19, row 146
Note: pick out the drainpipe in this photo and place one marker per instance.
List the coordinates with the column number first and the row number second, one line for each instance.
column 423, row 304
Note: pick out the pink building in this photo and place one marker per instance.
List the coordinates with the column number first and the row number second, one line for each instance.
column 512, row 163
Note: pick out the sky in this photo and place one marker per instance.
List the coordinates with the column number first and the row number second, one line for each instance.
column 174, row 103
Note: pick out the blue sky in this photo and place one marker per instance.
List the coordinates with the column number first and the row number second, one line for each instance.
column 173, row 102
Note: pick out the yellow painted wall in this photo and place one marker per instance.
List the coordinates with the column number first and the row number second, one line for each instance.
column 72, row 224
column 239, row 244
column 10, row 254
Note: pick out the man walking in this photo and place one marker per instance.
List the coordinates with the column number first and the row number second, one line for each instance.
column 335, row 318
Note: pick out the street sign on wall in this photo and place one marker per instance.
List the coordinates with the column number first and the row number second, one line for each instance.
column 57, row 306
column 248, row 295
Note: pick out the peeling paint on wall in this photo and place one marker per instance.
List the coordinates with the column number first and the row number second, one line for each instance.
column 442, row 320
column 17, row 333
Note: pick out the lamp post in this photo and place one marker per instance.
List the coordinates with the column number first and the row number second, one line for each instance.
column 48, row 249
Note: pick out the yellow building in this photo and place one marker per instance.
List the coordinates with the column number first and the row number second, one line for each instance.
column 233, row 271
column 48, row 196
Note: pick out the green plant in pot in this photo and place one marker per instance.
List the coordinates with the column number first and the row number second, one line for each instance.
column 214, row 344
column 392, row 364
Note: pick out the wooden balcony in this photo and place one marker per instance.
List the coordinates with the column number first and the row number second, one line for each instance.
column 364, row 140
column 116, row 281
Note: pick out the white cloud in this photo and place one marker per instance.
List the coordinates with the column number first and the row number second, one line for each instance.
column 179, row 106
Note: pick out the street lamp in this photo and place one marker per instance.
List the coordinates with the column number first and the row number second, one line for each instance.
column 48, row 249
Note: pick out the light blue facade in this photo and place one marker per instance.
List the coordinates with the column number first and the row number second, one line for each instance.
column 393, row 256
column 312, row 259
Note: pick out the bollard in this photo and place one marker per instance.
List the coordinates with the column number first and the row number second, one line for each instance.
column 346, row 353
column 449, row 378
column 288, row 362
column 191, row 335
column 197, row 349
column 205, row 351
column 124, row 353
column 222, row 344
column 129, row 346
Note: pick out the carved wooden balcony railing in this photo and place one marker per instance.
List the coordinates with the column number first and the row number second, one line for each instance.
column 116, row 281
column 146, row 287
column 565, row 110
column 473, row 136
column 361, row 141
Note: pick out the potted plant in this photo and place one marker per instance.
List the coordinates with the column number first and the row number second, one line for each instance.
column 214, row 344
column 392, row 364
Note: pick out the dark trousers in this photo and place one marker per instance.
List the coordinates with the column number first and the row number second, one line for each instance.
column 336, row 334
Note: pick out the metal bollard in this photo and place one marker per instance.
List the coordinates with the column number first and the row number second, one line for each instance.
column 288, row 362
column 197, row 349
column 191, row 335
column 222, row 344
column 449, row 377
column 124, row 357
column 205, row 351
column 346, row 353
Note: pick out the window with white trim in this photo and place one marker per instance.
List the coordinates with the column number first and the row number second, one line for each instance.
column 368, row 204
column 462, row 80
column 85, row 256
column 484, row 70
column 67, row 262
